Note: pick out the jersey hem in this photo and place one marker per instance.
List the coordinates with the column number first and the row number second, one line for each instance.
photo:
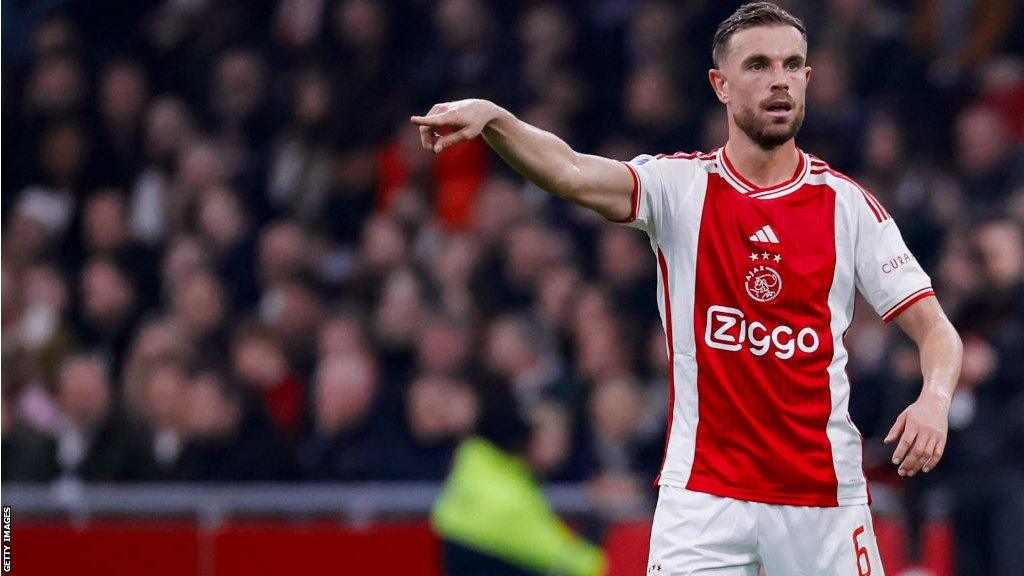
column 766, row 497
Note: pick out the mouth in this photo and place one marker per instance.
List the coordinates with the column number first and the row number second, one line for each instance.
column 778, row 107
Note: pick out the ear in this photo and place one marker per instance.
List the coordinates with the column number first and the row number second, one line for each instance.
column 719, row 84
column 807, row 74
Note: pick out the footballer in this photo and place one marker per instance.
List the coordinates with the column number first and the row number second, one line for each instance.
column 760, row 249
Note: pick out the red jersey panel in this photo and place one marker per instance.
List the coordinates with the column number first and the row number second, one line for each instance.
column 763, row 320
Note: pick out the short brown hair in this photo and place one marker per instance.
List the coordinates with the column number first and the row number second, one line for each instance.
column 749, row 16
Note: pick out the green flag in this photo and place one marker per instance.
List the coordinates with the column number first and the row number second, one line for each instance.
column 492, row 504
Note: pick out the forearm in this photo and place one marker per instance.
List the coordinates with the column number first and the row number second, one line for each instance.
column 539, row 156
column 923, row 426
column 941, row 356
column 603, row 185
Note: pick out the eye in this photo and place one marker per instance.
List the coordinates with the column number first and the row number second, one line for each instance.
column 757, row 66
column 793, row 65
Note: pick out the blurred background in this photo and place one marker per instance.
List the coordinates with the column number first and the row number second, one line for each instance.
column 229, row 268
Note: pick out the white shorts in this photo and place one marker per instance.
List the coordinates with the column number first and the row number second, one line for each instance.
column 701, row 534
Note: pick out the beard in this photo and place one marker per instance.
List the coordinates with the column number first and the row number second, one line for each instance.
column 767, row 132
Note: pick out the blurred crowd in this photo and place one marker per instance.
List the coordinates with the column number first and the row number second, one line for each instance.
column 226, row 257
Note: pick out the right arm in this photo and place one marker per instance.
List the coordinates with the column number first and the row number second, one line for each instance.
column 601, row 184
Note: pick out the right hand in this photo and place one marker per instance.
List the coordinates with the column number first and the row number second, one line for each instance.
column 453, row 122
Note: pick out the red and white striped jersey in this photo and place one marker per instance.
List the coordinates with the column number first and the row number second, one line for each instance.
column 756, row 291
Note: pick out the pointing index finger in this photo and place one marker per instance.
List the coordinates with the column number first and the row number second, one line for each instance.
column 431, row 120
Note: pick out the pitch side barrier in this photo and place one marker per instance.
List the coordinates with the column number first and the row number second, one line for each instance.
column 211, row 502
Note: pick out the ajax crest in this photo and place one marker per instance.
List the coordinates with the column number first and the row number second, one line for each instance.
column 763, row 283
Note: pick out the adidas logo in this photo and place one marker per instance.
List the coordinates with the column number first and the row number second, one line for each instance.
column 766, row 235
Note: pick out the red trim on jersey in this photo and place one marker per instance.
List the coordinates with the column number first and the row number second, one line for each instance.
column 754, row 187
column 634, row 207
column 876, row 207
column 683, row 155
column 816, row 161
column 689, row 155
column 902, row 305
column 878, row 204
column 663, row 266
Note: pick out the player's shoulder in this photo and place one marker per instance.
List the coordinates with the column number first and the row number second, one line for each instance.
column 691, row 156
column 688, row 161
column 850, row 192
column 843, row 184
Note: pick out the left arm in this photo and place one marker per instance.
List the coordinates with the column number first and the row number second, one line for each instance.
column 922, row 427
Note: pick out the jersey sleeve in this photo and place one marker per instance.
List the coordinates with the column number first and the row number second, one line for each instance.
column 657, row 186
column 888, row 275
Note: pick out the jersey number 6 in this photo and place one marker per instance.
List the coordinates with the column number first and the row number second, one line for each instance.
column 865, row 568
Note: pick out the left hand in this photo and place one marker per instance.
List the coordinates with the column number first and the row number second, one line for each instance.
column 921, row 429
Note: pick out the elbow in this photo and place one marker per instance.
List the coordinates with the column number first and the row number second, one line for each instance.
column 566, row 188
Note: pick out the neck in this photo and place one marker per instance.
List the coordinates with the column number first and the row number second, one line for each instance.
column 762, row 167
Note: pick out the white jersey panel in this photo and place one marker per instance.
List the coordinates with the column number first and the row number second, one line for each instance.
column 678, row 247
column 669, row 209
column 843, row 435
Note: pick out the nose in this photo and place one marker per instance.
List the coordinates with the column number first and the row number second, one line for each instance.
column 779, row 80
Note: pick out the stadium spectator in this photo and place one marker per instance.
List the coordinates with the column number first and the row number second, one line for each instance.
column 96, row 443
column 515, row 352
column 108, row 312
column 439, row 411
column 165, row 411
column 28, row 454
column 230, row 437
column 348, row 420
column 443, row 348
column 259, row 362
column 199, row 308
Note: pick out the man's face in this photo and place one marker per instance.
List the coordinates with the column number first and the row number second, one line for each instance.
column 83, row 391
column 763, row 82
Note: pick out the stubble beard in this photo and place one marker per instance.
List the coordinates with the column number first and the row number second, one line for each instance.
column 766, row 132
